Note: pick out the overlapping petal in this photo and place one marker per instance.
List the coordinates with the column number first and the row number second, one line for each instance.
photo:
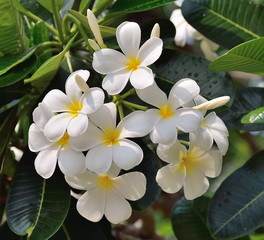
column 77, row 125
column 142, row 77
column 41, row 115
column 221, row 140
column 202, row 138
column 214, row 122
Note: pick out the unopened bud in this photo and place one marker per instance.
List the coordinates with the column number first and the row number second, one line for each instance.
column 81, row 83
column 93, row 45
column 155, row 31
column 212, row 104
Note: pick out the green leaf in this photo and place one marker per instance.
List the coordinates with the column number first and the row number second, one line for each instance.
column 256, row 116
column 247, row 57
column 189, row 219
column 237, row 206
column 48, row 4
column 18, row 72
column 36, row 206
column 149, row 167
column 173, row 66
column 246, row 100
column 227, row 23
column 12, row 35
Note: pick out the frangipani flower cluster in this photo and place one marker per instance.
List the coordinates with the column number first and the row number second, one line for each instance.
column 83, row 134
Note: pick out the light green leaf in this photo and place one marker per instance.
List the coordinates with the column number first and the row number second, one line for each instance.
column 48, row 4
column 227, row 23
column 36, row 206
column 256, row 116
column 246, row 57
column 237, row 206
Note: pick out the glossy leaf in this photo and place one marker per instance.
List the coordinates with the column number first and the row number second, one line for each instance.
column 35, row 206
column 246, row 100
column 48, row 4
column 189, row 219
column 227, row 23
column 173, row 66
column 247, row 57
column 256, row 116
column 237, row 206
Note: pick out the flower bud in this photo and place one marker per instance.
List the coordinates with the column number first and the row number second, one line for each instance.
column 81, row 83
column 93, row 45
column 155, row 31
column 214, row 103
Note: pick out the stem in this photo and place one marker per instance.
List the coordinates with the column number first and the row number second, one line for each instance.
column 50, row 50
column 120, row 110
column 184, row 142
column 128, row 93
column 50, row 43
column 133, row 105
column 57, row 19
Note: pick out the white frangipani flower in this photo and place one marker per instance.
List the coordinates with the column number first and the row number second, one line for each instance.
column 187, row 168
column 168, row 117
column 108, row 143
column 106, row 194
column 70, row 162
column 72, row 107
column 131, row 64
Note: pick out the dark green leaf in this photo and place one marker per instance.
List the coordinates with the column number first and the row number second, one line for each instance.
column 246, row 100
column 36, row 206
column 227, row 23
column 237, row 206
column 48, row 4
column 189, row 219
column 9, row 164
column 149, row 167
column 18, row 72
column 256, row 116
column 173, row 66
column 247, row 57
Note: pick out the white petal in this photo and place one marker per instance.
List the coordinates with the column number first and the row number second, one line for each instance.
column 115, row 82
column 92, row 100
column 201, row 138
column 128, row 36
column 91, row 204
column 117, row 209
column 164, row 132
column 187, row 120
column 136, row 124
column 196, row 184
column 84, row 181
column 142, row 78
column 90, row 138
column 131, row 186
column 71, row 87
column 213, row 121
column 150, row 51
column 45, row 162
column 77, row 125
column 36, row 139
column 57, row 101
column 171, row 153
column 221, row 141
column 71, row 163
column 105, row 117
column 41, row 115
column 171, row 178
column 207, row 51
column 108, row 60
column 152, row 95
column 56, row 126
column 183, row 91
column 127, row 154
column 99, row 159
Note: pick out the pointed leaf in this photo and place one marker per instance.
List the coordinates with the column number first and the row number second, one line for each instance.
column 189, row 219
column 227, row 23
column 36, row 206
column 256, row 116
column 48, row 4
column 237, row 206
column 246, row 57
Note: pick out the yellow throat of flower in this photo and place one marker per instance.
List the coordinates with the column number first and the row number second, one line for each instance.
column 64, row 140
column 133, row 64
column 105, row 182
column 187, row 161
column 111, row 137
column 75, row 107
column 166, row 111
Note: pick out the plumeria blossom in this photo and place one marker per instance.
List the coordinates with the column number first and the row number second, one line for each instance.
column 187, row 168
column 71, row 108
column 168, row 116
column 212, row 129
column 106, row 194
column 131, row 64
column 70, row 162
column 108, row 143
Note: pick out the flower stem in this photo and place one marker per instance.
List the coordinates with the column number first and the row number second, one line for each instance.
column 67, row 55
column 120, row 110
column 128, row 93
column 184, row 142
column 133, row 105
column 57, row 19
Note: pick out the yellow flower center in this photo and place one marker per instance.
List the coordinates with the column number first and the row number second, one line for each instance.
column 111, row 137
column 105, row 182
column 166, row 111
column 132, row 64
column 187, row 160
column 64, row 140
column 75, row 107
